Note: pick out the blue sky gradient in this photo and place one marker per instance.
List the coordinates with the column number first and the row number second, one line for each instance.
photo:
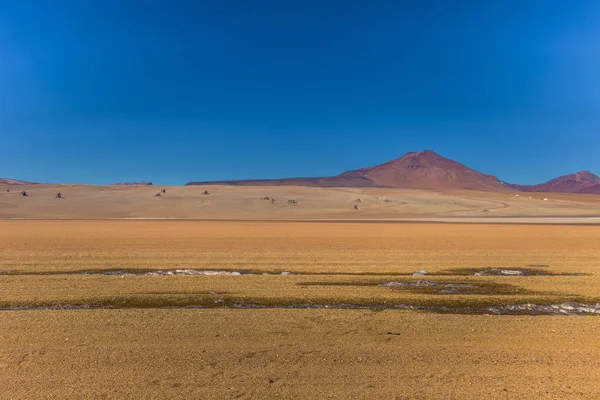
column 100, row 91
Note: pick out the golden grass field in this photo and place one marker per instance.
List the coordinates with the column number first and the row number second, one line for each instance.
column 82, row 318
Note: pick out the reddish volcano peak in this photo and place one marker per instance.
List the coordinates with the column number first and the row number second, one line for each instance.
column 586, row 176
column 425, row 158
column 426, row 170
column 416, row 170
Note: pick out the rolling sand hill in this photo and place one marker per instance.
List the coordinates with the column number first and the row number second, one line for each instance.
column 250, row 202
column 423, row 185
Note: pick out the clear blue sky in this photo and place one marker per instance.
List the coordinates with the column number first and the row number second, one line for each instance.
column 99, row 91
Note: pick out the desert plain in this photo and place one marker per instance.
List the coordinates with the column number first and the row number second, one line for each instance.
column 114, row 292
column 312, row 203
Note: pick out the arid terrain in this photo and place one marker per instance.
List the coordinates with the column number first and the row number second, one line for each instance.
column 243, row 290
column 427, row 170
column 273, row 203
column 280, row 309
column 299, row 200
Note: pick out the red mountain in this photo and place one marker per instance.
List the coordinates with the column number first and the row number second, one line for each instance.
column 427, row 170
column 583, row 182
column 423, row 170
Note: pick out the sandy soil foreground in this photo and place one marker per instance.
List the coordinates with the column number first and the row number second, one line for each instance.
column 302, row 354
column 101, row 309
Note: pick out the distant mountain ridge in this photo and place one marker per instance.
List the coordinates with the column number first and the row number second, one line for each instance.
column 132, row 184
column 6, row 181
column 430, row 171
column 583, row 182
column 415, row 170
column 424, row 170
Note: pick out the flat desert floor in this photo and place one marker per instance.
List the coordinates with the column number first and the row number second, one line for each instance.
column 131, row 309
column 272, row 203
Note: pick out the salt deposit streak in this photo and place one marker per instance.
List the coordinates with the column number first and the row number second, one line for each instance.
column 500, row 272
column 550, row 309
column 193, row 272
column 171, row 273
column 563, row 309
column 427, row 284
